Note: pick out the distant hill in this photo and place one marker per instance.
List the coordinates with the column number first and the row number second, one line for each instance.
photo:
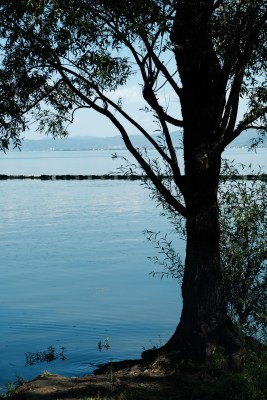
column 73, row 143
column 245, row 138
column 112, row 142
column 87, row 143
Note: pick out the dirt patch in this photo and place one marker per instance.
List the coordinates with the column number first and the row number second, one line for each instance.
column 122, row 380
column 130, row 380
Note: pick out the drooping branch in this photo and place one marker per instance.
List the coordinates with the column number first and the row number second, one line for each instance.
column 107, row 100
column 149, row 78
column 39, row 99
column 150, row 97
column 139, row 127
column 171, row 200
column 161, row 67
column 56, row 63
column 163, row 113
column 167, row 195
column 141, row 61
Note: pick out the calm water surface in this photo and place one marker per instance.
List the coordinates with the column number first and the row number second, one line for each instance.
column 74, row 266
column 74, row 270
column 98, row 162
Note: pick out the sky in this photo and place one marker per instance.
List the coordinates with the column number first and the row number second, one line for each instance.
column 88, row 122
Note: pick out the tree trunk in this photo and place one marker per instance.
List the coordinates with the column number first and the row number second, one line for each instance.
column 204, row 324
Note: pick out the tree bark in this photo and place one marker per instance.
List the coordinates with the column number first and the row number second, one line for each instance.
column 204, row 324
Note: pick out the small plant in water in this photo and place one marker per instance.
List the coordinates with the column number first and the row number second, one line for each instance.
column 105, row 344
column 44, row 356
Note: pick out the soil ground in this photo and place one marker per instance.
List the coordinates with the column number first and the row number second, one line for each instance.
column 125, row 380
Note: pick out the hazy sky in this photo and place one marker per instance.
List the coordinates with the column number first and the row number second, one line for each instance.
column 89, row 123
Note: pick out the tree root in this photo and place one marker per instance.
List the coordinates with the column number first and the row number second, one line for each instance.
column 201, row 348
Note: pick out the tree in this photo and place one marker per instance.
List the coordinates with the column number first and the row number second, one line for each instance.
column 58, row 57
column 243, row 223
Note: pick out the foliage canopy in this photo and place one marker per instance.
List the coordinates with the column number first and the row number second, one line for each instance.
column 57, row 57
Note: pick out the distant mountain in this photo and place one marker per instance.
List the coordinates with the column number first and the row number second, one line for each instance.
column 87, row 143
column 245, row 138
column 73, row 143
column 112, row 142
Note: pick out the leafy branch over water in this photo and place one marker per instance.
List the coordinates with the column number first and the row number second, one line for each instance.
column 243, row 245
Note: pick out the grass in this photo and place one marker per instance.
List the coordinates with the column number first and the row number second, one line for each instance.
column 11, row 387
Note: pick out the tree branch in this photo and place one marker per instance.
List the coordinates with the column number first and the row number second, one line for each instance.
column 230, row 115
column 257, row 127
column 161, row 67
column 244, row 125
column 146, row 167
column 123, row 113
column 158, row 64
column 33, row 105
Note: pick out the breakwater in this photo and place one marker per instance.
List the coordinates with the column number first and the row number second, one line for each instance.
column 72, row 177
column 262, row 177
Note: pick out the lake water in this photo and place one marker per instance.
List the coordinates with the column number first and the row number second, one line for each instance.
column 74, row 266
column 98, row 162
